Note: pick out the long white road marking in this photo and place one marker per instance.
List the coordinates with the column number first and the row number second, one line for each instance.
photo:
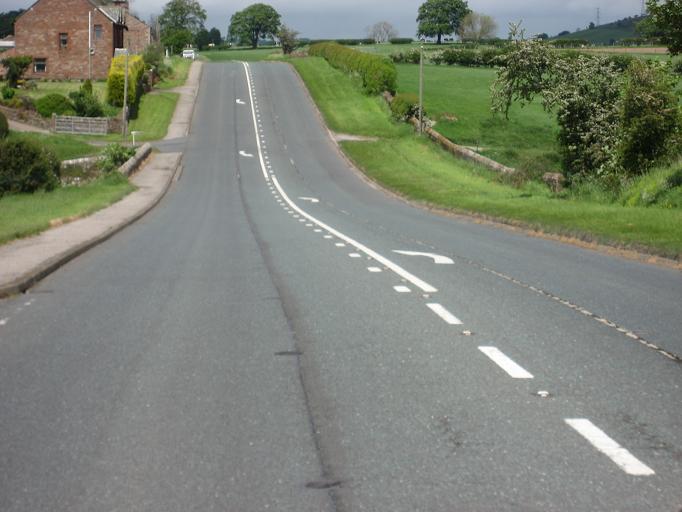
column 623, row 458
column 514, row 370
column 419, row 283
column 437, row 258
column 444, row 314
column 245, row 154
column 311, row 199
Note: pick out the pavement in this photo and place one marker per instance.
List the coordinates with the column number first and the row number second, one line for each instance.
column 28, row 260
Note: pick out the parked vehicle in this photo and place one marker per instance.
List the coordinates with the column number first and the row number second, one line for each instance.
column 188, row 54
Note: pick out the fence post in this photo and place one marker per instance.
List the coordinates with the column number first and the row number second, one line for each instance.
column 54, row 122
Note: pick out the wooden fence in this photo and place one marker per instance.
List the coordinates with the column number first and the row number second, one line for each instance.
column 80, row 125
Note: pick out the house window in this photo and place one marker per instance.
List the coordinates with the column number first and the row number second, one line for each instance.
column 40, row 65
column 63, row 40
column 98, row 31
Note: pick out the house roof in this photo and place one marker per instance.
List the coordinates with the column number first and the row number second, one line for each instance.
column 106, row 7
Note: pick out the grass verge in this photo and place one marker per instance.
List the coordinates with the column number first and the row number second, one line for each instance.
column 154, row 116
column 419, row 170
column 23, row 215
column 179, row 76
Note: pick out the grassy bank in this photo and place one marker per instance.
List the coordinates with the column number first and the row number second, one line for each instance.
column 66, row 147
column 421, row 171
column 154, row 116
column 24, row 215
column 179, row 74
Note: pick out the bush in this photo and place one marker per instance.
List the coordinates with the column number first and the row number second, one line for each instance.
column 87, row 87
column 378, row 74
column 4, row 126
column 25, row 167
column 115, row 155
column 404, row 106
column 86, row 105
column 401, row 40
column 54, row 104
column 409, row 57
column 677, row 67
column 116, row 81
column 620, row 61
column 7, row 92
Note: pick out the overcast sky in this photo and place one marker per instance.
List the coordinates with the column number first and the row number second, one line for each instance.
column 350, row 18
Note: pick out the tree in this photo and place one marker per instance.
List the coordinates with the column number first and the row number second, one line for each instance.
column 382, row 32
column 253, row 23
column 476, row 26
column 177, row 39
column 563, row 33
column 437, row 18
column 15, row 67
column 7, row 22
column 202, row 39
column 591, row 26
column 666, row 17
column 181, row 15
column 215, row 37
column 287, row 38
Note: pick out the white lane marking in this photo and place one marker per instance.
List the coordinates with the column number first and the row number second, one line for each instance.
column 4, row 321
column 507, row 364
column 311, row 199
column 437, row 258
column 245, row 154
column 340, row 244
column 317, row 230
column 402, row 289
column 374, row 270
column 444, row 314
column 328, row 237
column 253, row 114
column 240, row 102
column 354, row 255
column 419, row 283
column 623, row 458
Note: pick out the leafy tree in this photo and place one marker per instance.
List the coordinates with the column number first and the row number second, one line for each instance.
column 7, row 22
column 437, row 18
column 563, row 33
column 181, row 15
column 287, row 38
column 476, row 26
column 382, row 32
column 177, row 39
column 202, row 39
column 15, row 67
column 215, row 37
column 253, row 23
column 666, row 17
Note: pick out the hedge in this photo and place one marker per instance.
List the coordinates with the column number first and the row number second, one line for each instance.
column 378, row 74
column 401, row 40
column 489, row 57
column 116, row 81
column 54, row 103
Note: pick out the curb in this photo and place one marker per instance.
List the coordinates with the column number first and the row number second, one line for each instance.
column 38, row 273
column 133, row 163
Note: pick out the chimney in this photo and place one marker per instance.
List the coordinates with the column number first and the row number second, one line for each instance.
column 122, row 4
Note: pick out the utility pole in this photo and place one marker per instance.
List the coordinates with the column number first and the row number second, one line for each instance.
column 125, row 98
column 421, row 89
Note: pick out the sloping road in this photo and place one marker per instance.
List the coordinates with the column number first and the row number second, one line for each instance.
column 256, row 342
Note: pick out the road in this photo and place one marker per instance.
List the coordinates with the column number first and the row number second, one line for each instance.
column 257, row 343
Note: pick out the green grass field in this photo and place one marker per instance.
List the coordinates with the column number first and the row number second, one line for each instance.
column 243, row 54
column 24, row 215
column 421, row 171
column 99, row 88
column 66, row 147
column 458, row 99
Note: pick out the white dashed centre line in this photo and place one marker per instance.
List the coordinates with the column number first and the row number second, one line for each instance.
column 448, row 317
column 507, row 364
column 402, row 289
column 354, row 255
column 340, row 244
column 374, row 270
column 597, row 438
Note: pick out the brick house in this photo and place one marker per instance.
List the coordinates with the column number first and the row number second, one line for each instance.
column 56, row 33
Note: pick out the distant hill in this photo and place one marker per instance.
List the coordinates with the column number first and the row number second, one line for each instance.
column 609, row 33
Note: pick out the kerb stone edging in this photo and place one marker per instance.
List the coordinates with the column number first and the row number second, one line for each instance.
column 134, row 162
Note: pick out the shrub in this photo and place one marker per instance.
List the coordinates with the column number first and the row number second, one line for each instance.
column 115, row 155
column 7, row 92
column 15, row 67
column 86, row 104
column 620, row 61
column 25, row 166
column 116, row 82
column 54, row 104
column 409, row 57
column 650, row 117
column 401, row 40
column 87, row 87
column 378, row 74
column 677, row 67
column 404, row 106
column 4, row 126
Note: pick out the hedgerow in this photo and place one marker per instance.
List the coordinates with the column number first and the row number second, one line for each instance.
column 378, row 74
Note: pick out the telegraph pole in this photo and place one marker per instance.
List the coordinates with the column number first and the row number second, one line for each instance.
column 125, row 99
column 421, row 89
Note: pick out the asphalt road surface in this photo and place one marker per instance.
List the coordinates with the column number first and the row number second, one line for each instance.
column 257, row 343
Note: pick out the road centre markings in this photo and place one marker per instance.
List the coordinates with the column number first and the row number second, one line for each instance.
column 448, row 317
column 619, row 455
column 437, row 258
column 507, row 364
column 402, row 289
column 245, row 154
